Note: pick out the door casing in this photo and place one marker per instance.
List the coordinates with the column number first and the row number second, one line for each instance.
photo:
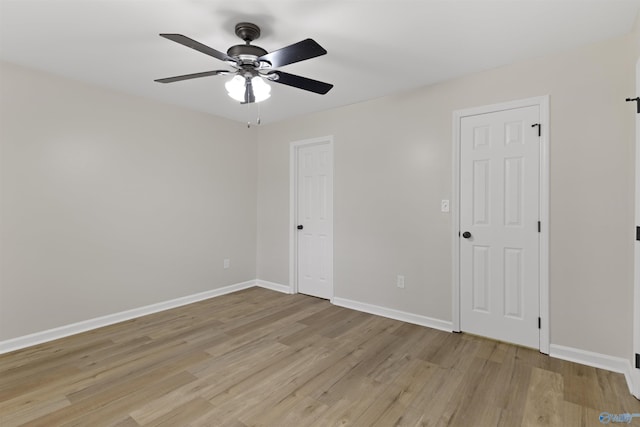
column 293, row 203
column 543, row 103
column 635, row 375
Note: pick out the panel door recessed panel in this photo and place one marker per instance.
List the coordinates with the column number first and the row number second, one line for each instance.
column 482, row 137
column 513, row 191
column 481, row 192
column 513, row 133
column 513, row 283
column 481, row 277
column 322, row 197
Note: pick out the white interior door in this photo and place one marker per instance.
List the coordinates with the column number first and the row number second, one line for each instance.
column 315, row 220
column 499, row 224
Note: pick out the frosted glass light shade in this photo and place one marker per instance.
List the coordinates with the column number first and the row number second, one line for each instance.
column 261, row 90
column 236, row 88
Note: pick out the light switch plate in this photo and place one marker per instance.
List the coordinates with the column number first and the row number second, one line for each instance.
column 444, row 206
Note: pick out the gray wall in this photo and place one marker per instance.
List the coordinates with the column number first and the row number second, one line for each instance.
column 393, row 166
column 111, row 202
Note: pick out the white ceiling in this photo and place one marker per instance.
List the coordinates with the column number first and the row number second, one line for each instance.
column 375, row 47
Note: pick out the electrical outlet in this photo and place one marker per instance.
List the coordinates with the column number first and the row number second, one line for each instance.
column 227, row 263
column 400, row 282
column 444, row 206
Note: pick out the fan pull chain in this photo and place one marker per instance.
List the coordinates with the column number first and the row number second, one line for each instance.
column 258, row 121
column 248, row 115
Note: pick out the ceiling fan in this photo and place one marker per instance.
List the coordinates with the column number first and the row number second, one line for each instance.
column 251, row 64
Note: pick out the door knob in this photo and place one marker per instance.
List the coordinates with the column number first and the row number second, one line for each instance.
column 466, row 234
column 300, row 227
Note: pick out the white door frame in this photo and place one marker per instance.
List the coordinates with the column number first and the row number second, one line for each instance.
column 294, row 147
column 635, row 375
column 543, row 103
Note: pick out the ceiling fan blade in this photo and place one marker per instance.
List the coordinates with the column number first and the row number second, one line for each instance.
column 186, row 41
column 306, row 49
column 191, row 76
column 300, row 82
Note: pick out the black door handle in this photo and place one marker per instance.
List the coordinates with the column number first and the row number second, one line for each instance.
column 300, row 227
column 466, row 234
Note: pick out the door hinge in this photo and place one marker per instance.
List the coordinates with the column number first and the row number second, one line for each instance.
column 539, row 128
column 539, row 323
column 638, row 233
column 637, row 361
column 539, row 227
column 637, row 100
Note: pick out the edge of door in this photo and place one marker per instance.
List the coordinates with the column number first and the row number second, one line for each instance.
column 293, row 216
column 543, row 103
column 635, row 375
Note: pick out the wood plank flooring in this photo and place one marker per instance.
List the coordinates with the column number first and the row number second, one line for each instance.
column 261, row 358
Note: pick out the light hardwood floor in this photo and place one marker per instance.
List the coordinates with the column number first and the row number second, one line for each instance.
column 261, row 358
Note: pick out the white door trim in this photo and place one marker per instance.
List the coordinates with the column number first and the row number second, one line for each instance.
column 543, row 103
column 293, row 202
column 635, row 375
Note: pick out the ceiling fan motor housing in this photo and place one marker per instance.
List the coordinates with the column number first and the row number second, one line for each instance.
column 241, row 50
column 246, row 53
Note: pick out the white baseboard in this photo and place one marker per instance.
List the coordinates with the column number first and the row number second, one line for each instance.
column 394, row 314
column 635, row 382
column 274, row 286
column 98, row 322
column 596, row 360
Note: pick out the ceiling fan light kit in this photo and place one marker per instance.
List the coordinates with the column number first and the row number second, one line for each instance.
column 236, row 89
column 252, row 65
